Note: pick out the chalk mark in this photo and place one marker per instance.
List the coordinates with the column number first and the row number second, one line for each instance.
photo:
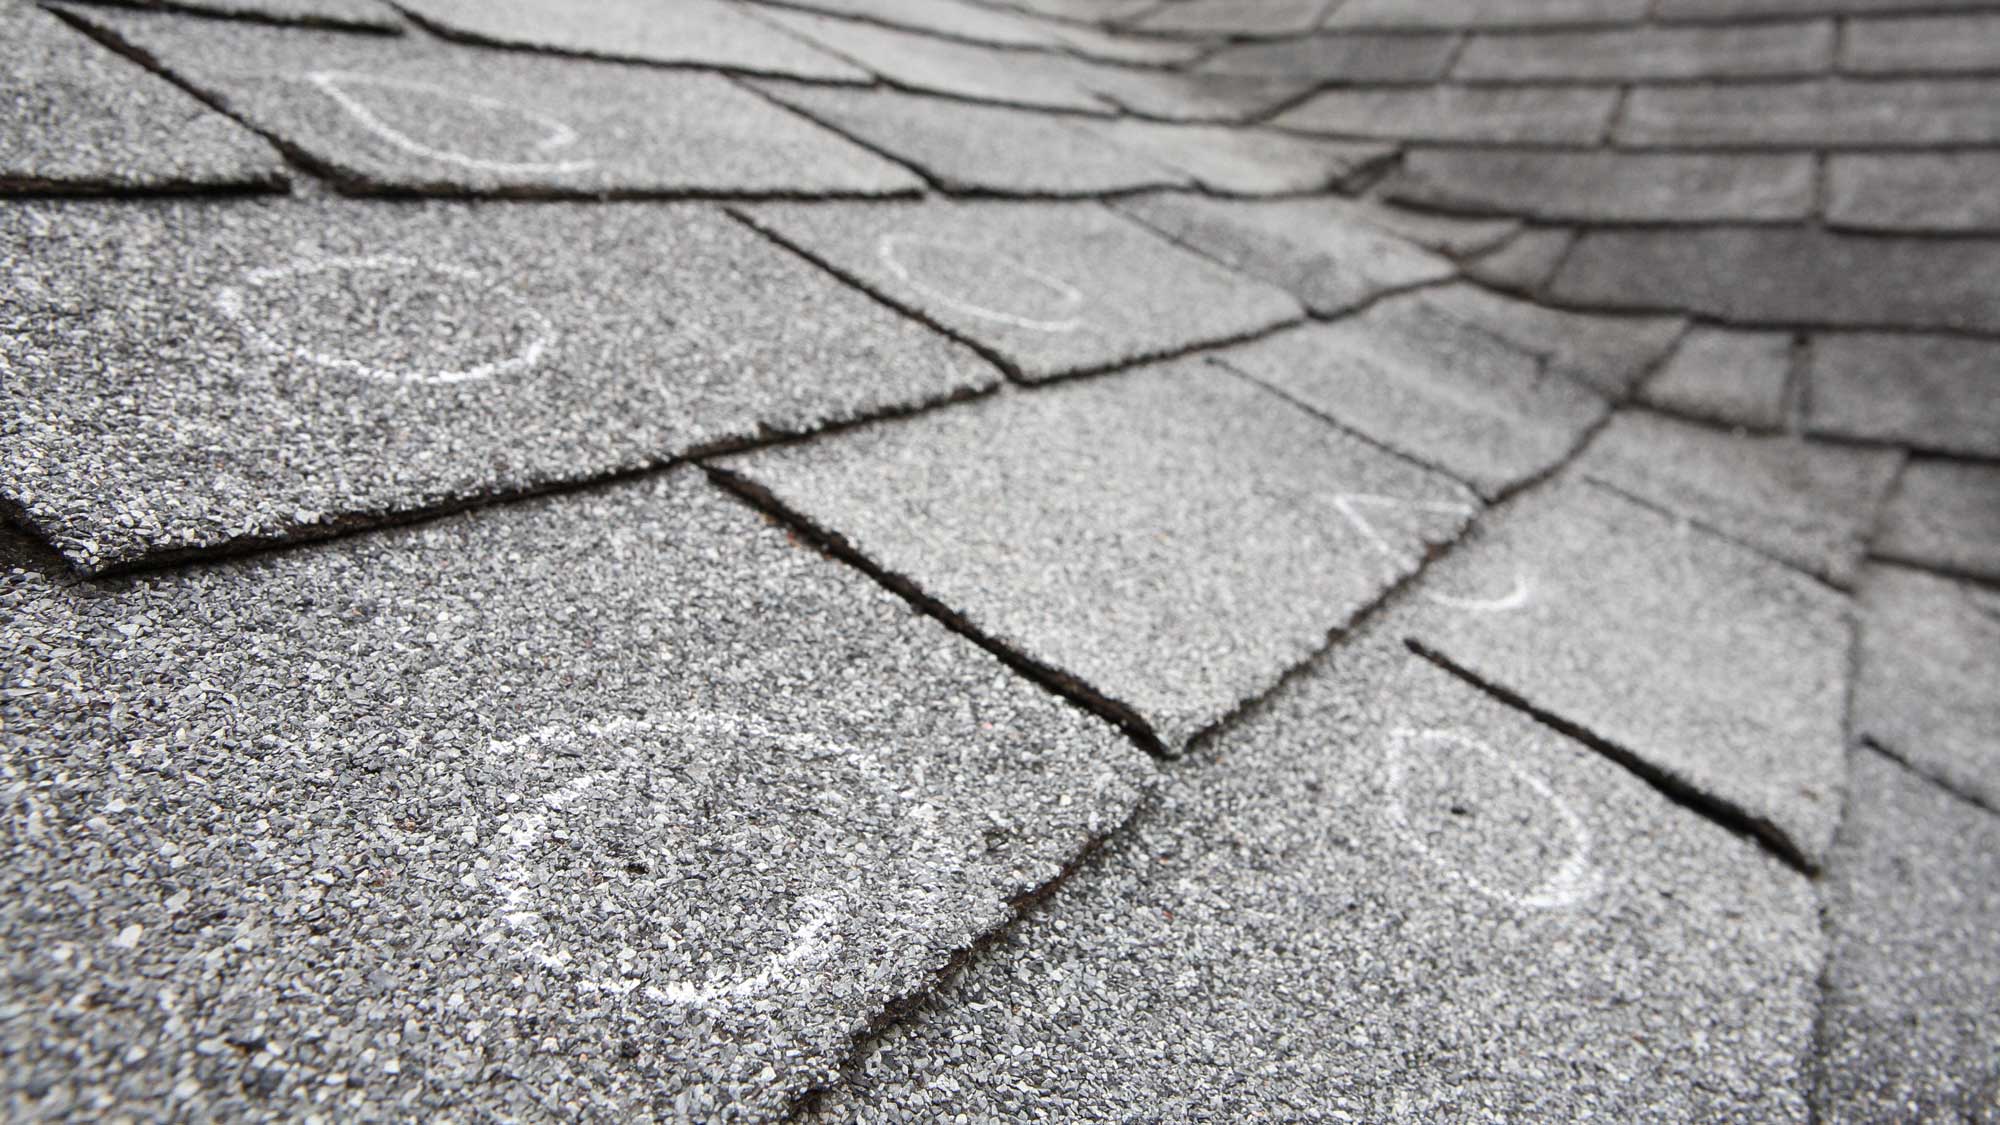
column 1350, row 506
column 559, row 134
column 1068, row 296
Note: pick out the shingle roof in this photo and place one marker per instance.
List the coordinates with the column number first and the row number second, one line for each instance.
column 1187, row 560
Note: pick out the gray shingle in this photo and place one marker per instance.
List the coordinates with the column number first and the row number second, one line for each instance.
column 1945, row 515
column 1734, row 11
column 1610, row 353
column 1896, row 113
column 1721, row 375
column 1359, row 58
column 629, row 773
column 1912, row 191
column 81, row 118
column 367, row 15
column 274, row 371
column 1431, row 388
column 1518, row 114
column 1047, row 289
column 1759, row 275
column 1492, row 13
column 1232, row 18
column 685, row 32
column 1650, row 54
column 1193, row 96
column 1386, row 897
column 1807, row 503
column 1930, row 656
column 1714, row 667
column 1170, row 539
column 1609, row 187
column 1525, row 262
column 1935, row 393
column 1908, row 1023
column 1330, row 260
column 1924, row 44
column 414, row 114
column 1234, row 160
column 962, row 147
column 955, row 19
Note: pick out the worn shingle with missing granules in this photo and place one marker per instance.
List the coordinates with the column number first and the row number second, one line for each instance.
column 1384, row 896
column 1608, row 187
column 622, row 804
column 1717, row 670
column 194, row 375
column 1933, row 393
column 1945, row 515
column 1930, row 653
column 1167, row 541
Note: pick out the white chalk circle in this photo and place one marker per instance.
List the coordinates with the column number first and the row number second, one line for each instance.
column 1573, row 881
column 381, row 286
column 718, row 812
column 1353, row 507
column 347, row 90
column 923, row 263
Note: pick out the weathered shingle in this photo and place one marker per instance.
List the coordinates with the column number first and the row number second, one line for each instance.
column 1597, row 186
column 1894, row 113
column 1524, row 114
column 1914, row 192
column 1934, row 393
column 1650, row 54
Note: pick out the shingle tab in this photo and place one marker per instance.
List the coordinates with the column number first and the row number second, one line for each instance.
column 1330, row 260
column 1895, row 113
column 629, row 773
column 1913, row 192
column 1431, row 388
column 1810, row 504
column 1167, row 542
column 1609, row 187
column 986, row 148
column 1047, row 289
column 80, row 118
column 362, row 15
column 1610, row 353
column 1245, row 161
column 1650, row 54
column 1234, row 19
column 416, row 115
column 1386, row 898
column 1717, row 669
column 683, row 33
column 1734, row 11
column 1517, row 114
column 1923, row 45
column 1908, row 1023
column 1935, row 393
column 1735, row 378
column 1945, row 515
column 1930, row 655
column 285, row 370
column 1757, row 275
column 1491, row 13
column 1355, row 58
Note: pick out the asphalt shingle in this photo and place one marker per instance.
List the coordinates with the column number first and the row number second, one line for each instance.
column 1810, row 504
column 624, row 804
column 1386, row 897
column 1503, row 114
column 1735, row 378
column 362, row 15
column 1932, row 393
column 1945, row 515
column 1789, row 276
column 1314, row 249
column 1233, row 19
column 195, row 374
column 1733, row 11
column 1930, row 655
column 1923, row 45
column 1408, row 14
column 984, row 148
column 1838, row 114
column 1046, row 289
column 1908, row 1026
column 79, row 118
column 1525, row 262
column 1596, row 186
column 1709, row 666
column 414, row 114
column 1609, row 353
column 1164, row 543
column 1234, row 160
column 1909, row 191
column 683, row 33
column 1359, row 58
column 1653, row 54
column 1432, row 388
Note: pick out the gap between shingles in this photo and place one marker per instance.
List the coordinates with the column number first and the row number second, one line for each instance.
column 1726, row 814
column 1943, row 784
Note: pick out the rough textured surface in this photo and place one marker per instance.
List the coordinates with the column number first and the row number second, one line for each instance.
column 1930, row 655
column 1608, row 187
column 1719, row 671
column 1224, row 532
column 362, row 15
column 1930, row 392
column 1525, row 262
column 417, row 115
column 1913, row 902
column 1411, row 14
column 1791, row 276
column 1046, row 289
column 1359, row 58
column 1650, row 53
column 1517, row 114
column 1736, row 378
column 1432, row 388
column 1927, row 44
column 1609, row 353
column 981, row 148
column 585, row 806
column 1385, row 897
column 1807, row 503
column 1237, row 161
column 1320, row 253
column 1806, row 114
column 1914, row 191
column 684, row 33
column 1945, row 515
column 189, row 375
column 80, row 117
